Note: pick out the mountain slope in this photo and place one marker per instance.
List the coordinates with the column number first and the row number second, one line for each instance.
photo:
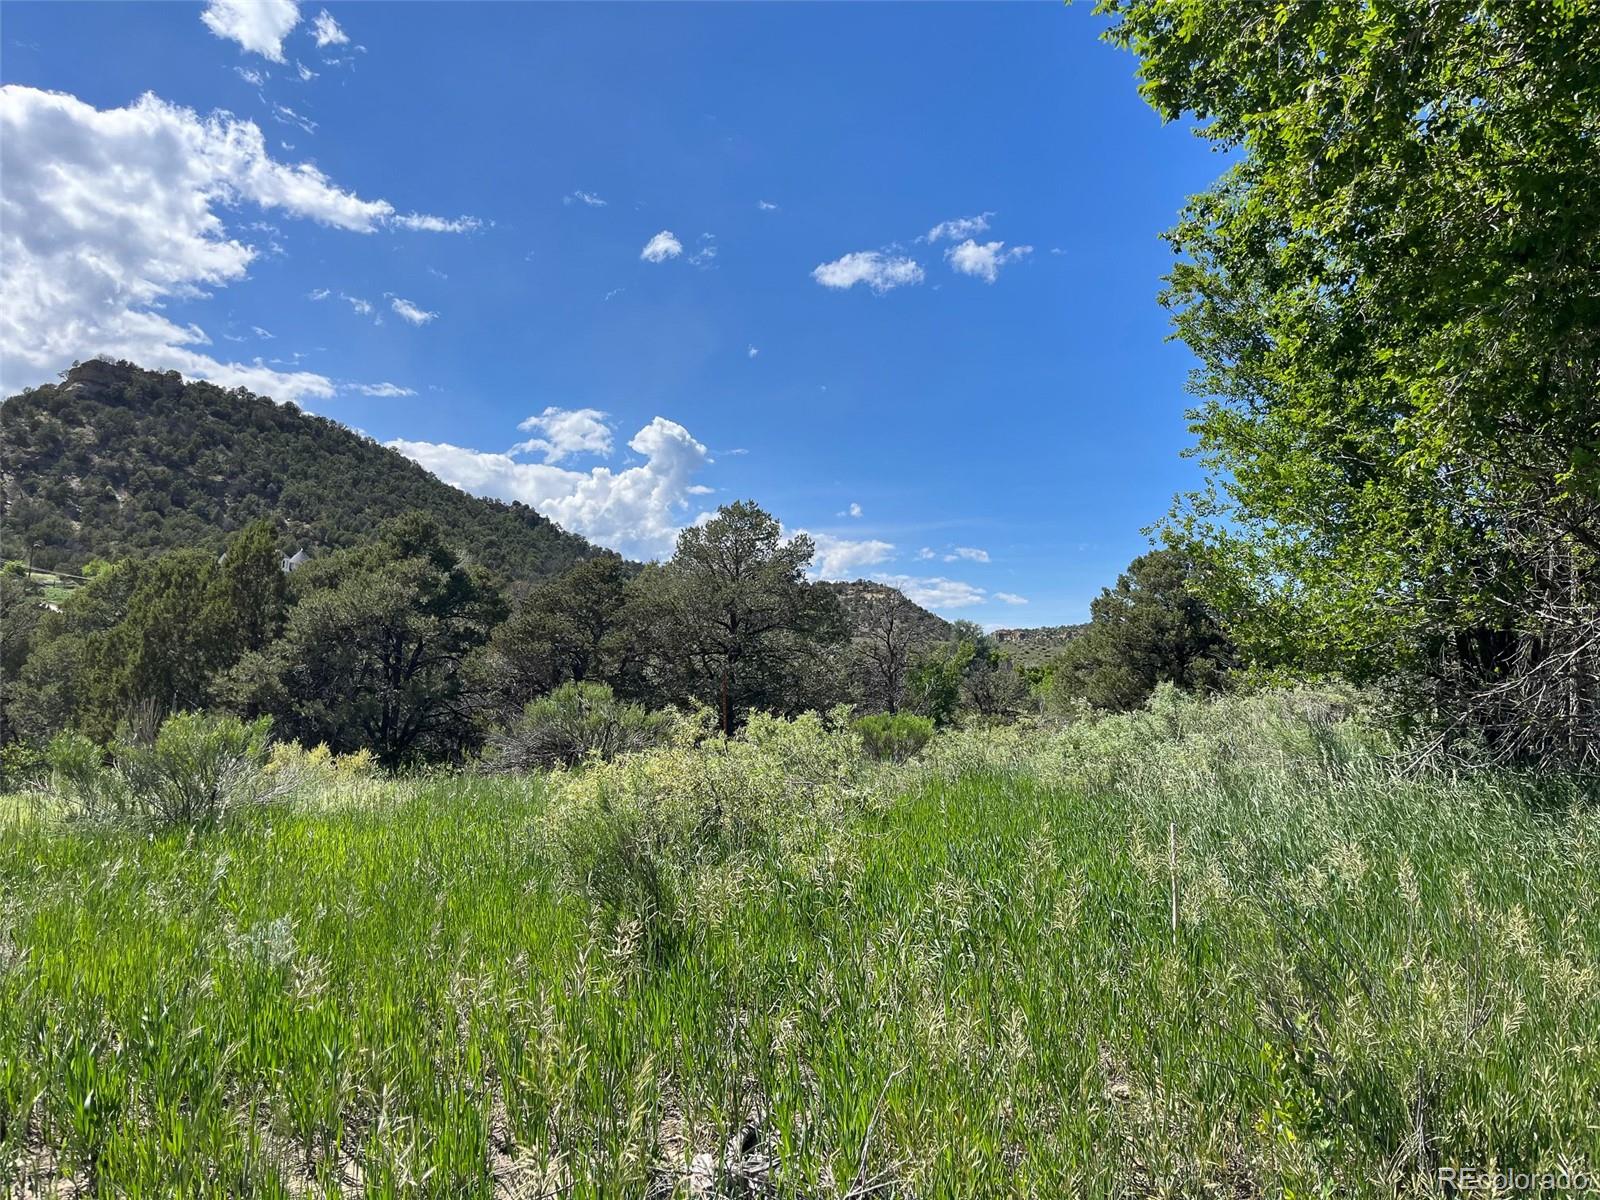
column 116, row 460
column 1035, row 647
column 858, row 596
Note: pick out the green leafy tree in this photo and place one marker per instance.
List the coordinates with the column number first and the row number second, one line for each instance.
column 372, row 653
column 1391, row 293
column 575, row 628
column 1150, row 628
column 933, row 685
column 56, row 687
column 248, row 595
column 736, row 625
column 164, row 650
column 21, row 609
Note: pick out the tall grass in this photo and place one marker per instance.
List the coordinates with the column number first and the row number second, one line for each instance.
column 955, row 977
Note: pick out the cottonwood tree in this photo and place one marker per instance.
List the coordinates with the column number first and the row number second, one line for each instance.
column 1392, row 296
column 735, row 622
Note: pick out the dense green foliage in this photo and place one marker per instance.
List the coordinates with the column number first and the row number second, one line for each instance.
column 373, row 651
column 403, row 648
column 736, row 623
column 141, row 638
column 1392, row 295
column 894, row 737
column 116, row 461
column 1149, row 629
column 965, row 673
column 583, row 625
column 775, row 967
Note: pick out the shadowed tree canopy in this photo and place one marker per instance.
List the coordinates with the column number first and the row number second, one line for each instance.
column 1150, row 628
column 372, row 653
column 737, row 625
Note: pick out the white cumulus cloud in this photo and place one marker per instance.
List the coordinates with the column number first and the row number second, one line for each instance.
column 961, row 227
column 879, row 271
column 936, row 592
column 408, row 311
column 843, row 558
column 1010, row 598
column 327, row 32
column 382, row 389
column 637, row 510
column 108, row 215
column 661, row 247
column 259, row 26
column 983, row 259
column 565, row 431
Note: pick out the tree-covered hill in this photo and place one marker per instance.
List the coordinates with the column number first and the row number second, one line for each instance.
column 862, row 597
column 1035, row 647
column 116, row 460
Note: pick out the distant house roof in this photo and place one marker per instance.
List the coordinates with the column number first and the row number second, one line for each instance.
column 296, row 560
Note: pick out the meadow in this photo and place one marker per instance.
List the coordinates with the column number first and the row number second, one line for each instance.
column 1242, row 947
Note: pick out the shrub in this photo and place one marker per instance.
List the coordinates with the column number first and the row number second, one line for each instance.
column 894, row 737
column 198, row 770
column 577, row 721
column 21, row 764
column 78, row 775
column 319, row 765
column 637, row 837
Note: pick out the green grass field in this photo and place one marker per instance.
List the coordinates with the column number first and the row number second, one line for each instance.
column 1208, row 950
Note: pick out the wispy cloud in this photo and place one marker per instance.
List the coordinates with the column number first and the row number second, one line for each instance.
column 582, row 197
column 327, row 32
column 408, row 311
column 706, row 253
column 361, row 307
column 426, row 223
column 960, row 227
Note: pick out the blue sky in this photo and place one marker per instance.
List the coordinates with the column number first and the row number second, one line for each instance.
column 911, row 269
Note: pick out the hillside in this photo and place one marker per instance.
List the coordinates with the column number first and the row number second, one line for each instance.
column 116, row 460
column 926, row 627
column 1035, row 647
